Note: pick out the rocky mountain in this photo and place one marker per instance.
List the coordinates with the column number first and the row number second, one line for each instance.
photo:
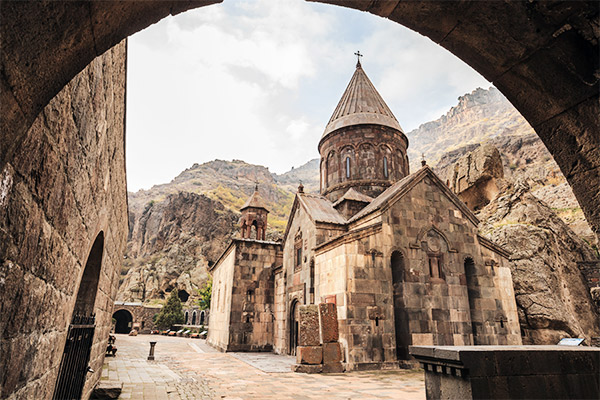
column 170, row 244
column 177, row 229
column 479, row 116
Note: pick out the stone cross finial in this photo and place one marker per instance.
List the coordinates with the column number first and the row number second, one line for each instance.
column 423, row 162
column 300, row 188
column 256, row 185
column 358, row 56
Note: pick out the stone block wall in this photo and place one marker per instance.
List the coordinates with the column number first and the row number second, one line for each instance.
column 64, row 186
column 242, row 308
column 252, row 311
column 142, row 316
column 220, row 305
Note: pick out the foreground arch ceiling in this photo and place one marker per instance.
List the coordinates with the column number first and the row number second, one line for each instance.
column 542, row 55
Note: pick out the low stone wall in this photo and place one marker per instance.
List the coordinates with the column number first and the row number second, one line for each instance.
column 510, row 372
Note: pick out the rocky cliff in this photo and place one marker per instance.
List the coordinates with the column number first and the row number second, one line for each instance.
column 479, row 116
column 170, row 244
column 552, row 297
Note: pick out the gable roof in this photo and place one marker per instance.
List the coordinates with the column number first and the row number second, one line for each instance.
column 318, row 208
column 403, row 186
column 354, row 195
column 361, row 104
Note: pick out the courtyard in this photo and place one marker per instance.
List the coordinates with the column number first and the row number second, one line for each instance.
column 189, row 369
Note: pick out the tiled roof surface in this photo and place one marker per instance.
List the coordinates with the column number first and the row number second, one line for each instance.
column 361, row 104
column 320, row 209
column 353, row 194
column 254, row 201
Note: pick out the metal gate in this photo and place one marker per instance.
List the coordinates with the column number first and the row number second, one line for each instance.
column 75, row 358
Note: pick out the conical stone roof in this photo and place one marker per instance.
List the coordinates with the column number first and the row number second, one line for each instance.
column 361, row 104
column 254, row 201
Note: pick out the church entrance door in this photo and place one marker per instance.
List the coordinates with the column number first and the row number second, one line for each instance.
column 293, row 327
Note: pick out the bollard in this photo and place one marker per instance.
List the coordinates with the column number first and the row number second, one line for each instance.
column 151, row 355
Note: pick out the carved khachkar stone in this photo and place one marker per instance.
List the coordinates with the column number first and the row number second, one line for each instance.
column 308, row 326
column 309, row 355
column 329, row 322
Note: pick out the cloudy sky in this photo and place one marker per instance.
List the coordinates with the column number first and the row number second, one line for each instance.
column 257, row 80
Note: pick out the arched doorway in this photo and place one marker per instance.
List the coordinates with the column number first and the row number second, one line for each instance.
column 294, row 310
column 124, row 321
column 202, row 317
column 185, row 317
column 194, row 318
column 76, row 354
column 400, row 314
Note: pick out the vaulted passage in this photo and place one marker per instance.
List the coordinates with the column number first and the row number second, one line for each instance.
column 124, row 321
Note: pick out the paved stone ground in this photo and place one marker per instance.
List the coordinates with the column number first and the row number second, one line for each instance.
column 189, row 369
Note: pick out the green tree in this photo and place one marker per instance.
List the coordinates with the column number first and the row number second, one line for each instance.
column 171, row 313
column 205, row 294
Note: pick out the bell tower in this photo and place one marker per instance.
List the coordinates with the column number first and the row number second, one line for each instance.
column 254, row 217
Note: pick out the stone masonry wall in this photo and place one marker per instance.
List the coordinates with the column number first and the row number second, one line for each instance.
column 65, row 185
column 252, row 314
column 220, row 305
column 366, row 146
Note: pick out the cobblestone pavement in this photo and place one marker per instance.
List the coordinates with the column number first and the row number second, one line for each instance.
column 189, row 369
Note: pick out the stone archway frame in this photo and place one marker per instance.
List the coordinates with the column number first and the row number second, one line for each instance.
column 524, row 48
column 421, row 235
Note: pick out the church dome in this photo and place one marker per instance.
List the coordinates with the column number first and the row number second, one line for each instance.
column 363, row 146
column 361, row 103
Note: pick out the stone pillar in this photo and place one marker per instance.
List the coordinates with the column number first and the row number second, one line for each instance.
column 332, row 351
column 309, row 353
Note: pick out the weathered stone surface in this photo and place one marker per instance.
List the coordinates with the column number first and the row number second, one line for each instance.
column 309, row 355
column 308, row 326
column 61, row 189
column 307, row 368
column 332, row 353
column 475, row 174
column 552, row 297
column 333, row 368
column 328, row 322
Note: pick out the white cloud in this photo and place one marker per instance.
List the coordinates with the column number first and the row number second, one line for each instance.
column 258, row 81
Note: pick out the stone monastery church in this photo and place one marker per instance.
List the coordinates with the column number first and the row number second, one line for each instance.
column 397, row 253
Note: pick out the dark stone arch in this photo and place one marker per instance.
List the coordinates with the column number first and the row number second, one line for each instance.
column 522, row 47
column 186, row 317
column 124, row 321
column 202, row 317
column 194, row 316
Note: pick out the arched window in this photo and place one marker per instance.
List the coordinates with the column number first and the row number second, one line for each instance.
column 385, row 168
column 347, row 167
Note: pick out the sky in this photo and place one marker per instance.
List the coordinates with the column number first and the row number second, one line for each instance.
column 258, row 80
